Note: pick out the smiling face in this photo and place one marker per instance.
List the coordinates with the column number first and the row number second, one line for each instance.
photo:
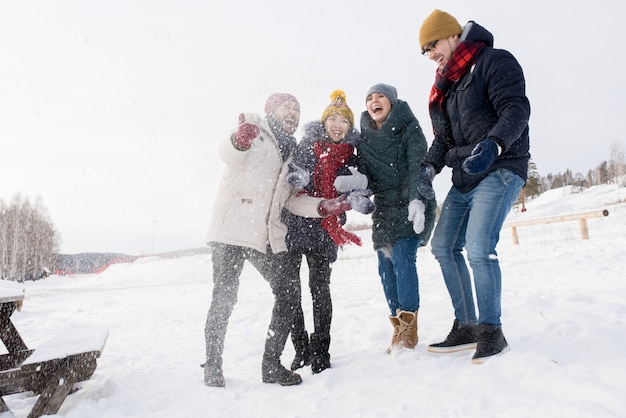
column 288, row 115
column 441, row 51
column 378, row 107
column 337, row 127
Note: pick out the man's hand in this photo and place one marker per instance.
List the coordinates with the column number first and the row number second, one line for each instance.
column 483, row 155
column 246, row 132
column 425, row 181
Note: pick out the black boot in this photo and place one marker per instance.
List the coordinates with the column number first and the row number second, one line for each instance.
column 213, row 375
column 320, row 358
column 274, row 372
column 303, row 353
column 286, row 290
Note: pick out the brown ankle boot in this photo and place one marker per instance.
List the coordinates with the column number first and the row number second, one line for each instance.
column 396, row 329
column 407, row 334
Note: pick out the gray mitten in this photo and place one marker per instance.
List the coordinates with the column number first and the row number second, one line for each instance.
column 298, row 177
column 359, row 199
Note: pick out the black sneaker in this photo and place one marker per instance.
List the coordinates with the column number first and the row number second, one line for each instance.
column 461, row 337
column 276, row 373
column 491, row 342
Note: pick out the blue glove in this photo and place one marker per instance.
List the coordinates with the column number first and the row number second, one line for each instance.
column 360, row 202
column 482, row 156
column 298, row 177
column 425, row 181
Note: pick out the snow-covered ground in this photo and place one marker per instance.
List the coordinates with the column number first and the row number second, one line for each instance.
column 564, row 315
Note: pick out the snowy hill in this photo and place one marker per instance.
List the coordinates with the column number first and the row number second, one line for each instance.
column 570, row 200
column 564, row 317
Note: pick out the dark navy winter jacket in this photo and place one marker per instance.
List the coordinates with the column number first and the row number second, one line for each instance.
column 489, row 101
column 308, row 233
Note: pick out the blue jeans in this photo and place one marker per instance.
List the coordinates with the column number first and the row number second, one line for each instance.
column 473, row 221
column 398, row 275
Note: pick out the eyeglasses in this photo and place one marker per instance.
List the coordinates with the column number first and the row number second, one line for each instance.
column 429, row 47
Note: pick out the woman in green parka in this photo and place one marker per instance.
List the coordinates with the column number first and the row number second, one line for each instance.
column 390, row 153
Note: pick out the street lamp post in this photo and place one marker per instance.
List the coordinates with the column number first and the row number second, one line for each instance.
column 153, row 235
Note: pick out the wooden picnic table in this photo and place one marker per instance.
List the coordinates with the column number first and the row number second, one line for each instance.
column 10, row 296
column 50, row 370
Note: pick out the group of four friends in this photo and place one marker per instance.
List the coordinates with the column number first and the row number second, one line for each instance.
column 280, row 200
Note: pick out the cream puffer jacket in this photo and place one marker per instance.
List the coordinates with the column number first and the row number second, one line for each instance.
column 252, row 193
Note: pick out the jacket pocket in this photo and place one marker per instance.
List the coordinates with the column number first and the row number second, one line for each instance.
column 466, row 81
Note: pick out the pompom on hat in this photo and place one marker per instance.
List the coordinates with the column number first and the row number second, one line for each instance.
column 390, row 92
column 338, row 106
column 278, row 99
column 438, row 25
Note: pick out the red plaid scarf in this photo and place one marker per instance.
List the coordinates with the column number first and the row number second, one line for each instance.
column 460, row 62
column 330, row 157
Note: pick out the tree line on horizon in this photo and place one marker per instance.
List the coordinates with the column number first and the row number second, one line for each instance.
column 612, row 171
column 29, row 242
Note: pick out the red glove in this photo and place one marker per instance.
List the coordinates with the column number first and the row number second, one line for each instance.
column 334, row 206
column 245, row 133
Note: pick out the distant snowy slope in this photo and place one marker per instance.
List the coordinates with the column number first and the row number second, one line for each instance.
column 569, row 199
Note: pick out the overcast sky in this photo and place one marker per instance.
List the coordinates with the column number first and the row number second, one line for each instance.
column 112, row 111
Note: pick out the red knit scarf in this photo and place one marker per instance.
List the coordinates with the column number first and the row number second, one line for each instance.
column 460, row 62
column 330, row 157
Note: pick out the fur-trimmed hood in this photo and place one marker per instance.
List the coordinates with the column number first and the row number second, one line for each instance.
column 315, row 131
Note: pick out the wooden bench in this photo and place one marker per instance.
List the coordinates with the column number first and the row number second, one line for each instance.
column 52, row 369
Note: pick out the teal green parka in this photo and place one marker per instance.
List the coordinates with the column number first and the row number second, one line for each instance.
column 391, row 157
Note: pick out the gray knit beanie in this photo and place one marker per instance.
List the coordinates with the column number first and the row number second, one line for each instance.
column 389, row 91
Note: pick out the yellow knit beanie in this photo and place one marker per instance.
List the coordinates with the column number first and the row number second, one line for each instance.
column 338, row 106
column 438, row 25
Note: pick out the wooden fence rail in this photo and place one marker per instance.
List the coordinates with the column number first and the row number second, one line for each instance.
column 581, row 217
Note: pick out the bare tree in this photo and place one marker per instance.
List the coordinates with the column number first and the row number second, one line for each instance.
column 28, row 240
column 618, row 164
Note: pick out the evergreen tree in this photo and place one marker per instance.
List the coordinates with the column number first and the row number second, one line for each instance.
column 533, row 183
column 603, row 173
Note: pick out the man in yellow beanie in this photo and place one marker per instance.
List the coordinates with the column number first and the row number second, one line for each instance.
column 479, row 112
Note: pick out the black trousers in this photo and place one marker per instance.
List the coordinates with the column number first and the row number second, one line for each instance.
column 228, row 263
column 320, row 268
